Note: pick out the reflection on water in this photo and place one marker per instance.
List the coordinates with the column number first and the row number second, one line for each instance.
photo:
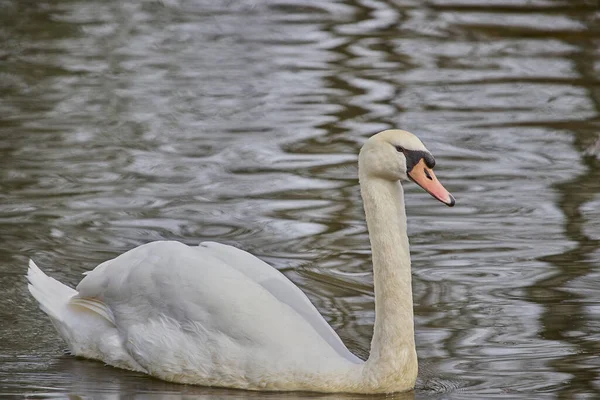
column 126, row 122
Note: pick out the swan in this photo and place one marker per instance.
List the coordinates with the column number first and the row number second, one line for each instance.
column 216, row 315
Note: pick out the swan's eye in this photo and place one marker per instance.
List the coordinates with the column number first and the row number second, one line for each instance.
column 400, row 149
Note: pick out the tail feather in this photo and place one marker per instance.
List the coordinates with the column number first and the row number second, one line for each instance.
column 50, row 293
column 87, row 325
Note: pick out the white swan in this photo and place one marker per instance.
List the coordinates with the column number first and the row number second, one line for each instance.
column 218, row 316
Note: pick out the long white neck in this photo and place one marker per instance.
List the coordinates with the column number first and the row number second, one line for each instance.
column 393, row 359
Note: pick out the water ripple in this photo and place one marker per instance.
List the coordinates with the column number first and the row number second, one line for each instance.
column 240, row 122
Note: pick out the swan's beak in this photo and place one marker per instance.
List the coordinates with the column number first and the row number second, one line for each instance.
column 425, row 178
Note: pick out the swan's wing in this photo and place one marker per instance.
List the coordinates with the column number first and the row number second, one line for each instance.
column 280, row 287
column 223, row 288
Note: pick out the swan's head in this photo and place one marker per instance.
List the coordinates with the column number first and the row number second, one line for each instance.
column 397, row 155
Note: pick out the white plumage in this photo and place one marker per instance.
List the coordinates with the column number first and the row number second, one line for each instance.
column 216, row 315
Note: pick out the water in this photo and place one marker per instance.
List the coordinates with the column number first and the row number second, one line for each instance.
column 126, row 122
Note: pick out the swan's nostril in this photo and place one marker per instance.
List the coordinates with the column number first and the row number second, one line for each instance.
column 427, row 174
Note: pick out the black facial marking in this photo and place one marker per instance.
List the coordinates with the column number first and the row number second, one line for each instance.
column 414, row 156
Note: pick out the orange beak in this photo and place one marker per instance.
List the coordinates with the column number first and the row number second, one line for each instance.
column 425, row 178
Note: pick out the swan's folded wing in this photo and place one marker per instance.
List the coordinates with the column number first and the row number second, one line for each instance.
column 222, row 288
column 280, row 287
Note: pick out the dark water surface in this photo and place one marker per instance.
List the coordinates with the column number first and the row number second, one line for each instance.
column 239, row 121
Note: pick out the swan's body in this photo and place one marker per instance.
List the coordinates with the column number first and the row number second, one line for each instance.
column 216, row 315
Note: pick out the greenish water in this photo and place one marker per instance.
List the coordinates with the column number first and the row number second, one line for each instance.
column 126, row 122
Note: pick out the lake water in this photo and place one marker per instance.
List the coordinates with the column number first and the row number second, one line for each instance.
column 240, row 121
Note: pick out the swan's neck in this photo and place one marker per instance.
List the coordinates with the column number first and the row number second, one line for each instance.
column 393, row 358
